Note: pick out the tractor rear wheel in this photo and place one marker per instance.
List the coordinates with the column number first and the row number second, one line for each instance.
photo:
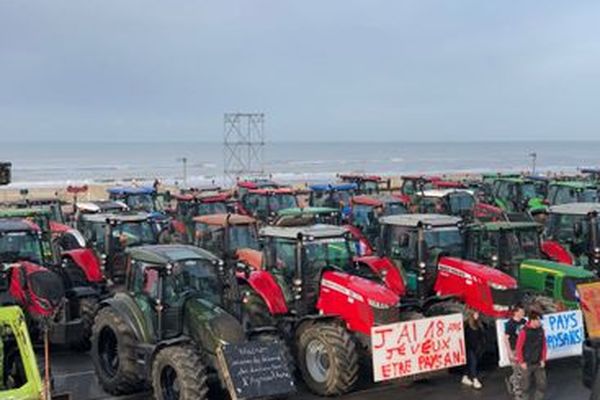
column 327, row 358
column 87, row 311
column 179, row 374
column 113, row 345
column 445, row 308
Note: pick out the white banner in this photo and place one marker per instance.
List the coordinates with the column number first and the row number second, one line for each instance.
column 413, row 347
column 564, row 335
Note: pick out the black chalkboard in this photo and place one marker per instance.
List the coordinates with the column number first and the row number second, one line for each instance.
column 257, row 369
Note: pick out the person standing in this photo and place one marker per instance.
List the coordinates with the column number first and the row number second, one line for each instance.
column 511, row 332
column 475, row 344
column 531, row 357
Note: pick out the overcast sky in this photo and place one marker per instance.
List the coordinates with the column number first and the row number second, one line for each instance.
column 320, row 70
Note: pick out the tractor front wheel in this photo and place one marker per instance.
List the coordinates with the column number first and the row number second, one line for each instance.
column 113, row 345
column 179, row 374
column 328, row 359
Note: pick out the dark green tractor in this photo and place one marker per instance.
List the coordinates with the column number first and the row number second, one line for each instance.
column 514, row 248
column 166, row 328
column 518, row 195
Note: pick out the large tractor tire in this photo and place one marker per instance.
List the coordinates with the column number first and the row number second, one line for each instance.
column 87, row 312
column 255, row 313
column 542, row 304
column 179, row 374
column 327, row 358
column 113, row 354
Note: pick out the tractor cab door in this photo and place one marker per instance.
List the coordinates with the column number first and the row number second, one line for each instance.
column 145, row 289
column 399, row 244
column 280, row 260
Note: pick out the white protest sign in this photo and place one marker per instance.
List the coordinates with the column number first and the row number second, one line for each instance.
column 564, row 333
column 413, row 347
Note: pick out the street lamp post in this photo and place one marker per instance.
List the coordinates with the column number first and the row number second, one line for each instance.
column 533, row 156
column 184, row 164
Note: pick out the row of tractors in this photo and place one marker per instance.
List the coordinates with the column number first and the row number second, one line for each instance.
column 153, row 284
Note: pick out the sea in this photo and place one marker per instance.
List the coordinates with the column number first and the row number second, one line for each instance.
column 61, row 164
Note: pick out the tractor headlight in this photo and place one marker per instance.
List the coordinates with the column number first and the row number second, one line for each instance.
column 597, row 250
column 422, row 265
column 378, row 305
column 497, row 286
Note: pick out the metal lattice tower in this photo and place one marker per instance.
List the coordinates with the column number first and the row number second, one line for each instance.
column 244, row 145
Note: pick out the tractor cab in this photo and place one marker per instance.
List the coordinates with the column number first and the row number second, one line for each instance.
column 541, row 185
column 264, row 204
column 428, row 251
column 308, row 216
column 366, row 211
column 591, row 174
column 572, row 234
column 518, row 195
column 109, row 235
column 515, row 248
column 365, row 184
column 563, row 192
column 333, row 196
column 21, row 240
column 229, row 236
column 244, row 186
column 141, row 199
column 52, row 204
column 195, row 204
column 456, row 202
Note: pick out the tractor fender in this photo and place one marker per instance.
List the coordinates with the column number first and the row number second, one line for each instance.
column 125, row 306
column 265, row 285
column 556, row 252
column 88, row 262
column 387, row 270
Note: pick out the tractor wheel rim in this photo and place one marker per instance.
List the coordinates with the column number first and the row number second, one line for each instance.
column 108, row 352
column 169, row 383
column 317, row 360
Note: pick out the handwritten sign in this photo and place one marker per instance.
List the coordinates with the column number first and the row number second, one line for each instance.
column 564, row 335
column 257, row 369
column 589, row 296
column 414, row 347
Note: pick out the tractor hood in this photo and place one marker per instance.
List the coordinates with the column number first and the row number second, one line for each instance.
column 359, row 289
column 211, row 325
column 557, row 268
column 472, row 269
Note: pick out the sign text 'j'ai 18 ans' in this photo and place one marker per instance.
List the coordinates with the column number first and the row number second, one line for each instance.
column 564, row 335
column 414, row 347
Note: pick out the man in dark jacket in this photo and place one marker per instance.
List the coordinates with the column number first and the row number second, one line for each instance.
column 511, row 332
column 531, row 357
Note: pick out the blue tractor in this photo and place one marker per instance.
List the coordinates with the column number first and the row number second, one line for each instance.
column 333, row 195
column 143, row 198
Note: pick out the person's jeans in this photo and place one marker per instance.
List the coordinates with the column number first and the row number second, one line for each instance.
column 471, row 370
column 533, row 373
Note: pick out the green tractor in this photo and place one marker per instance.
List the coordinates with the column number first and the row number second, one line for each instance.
column 514, row 248
column 518, row 195
column 563, row 192
column 165, row 330
column 19, row 375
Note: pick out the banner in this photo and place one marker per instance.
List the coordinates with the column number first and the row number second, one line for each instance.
column 564, row 336
column 413, row 347
column 589, row 297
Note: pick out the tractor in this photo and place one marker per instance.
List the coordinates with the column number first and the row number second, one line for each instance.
column 243, row 186
column 515, row 248
column 42, row 286
column 428, row 251
column 366, row 211
column 166, row 329
column 264, row 204
column 457, row 202
column 518, row 195
column 308, row 216
column 144, row 199
column 109, row 235
column 324, row 302
column 333, row 196
column 192, row 205
column 571, row 235
column 563, row 192
column 366, row 184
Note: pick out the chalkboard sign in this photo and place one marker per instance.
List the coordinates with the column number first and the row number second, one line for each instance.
column 256, row 369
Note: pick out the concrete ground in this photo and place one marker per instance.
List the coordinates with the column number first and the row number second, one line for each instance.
column 74, row 373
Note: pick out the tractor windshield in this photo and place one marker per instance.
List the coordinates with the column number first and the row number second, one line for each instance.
column 561, row 227
column 449, row 241
column 588, row 196
column 281, row 202
column 135, row 233
column 394, row 208
column 528, row 190
column 20, row 246
column 519, row 245
column 461, row 203
column 196, row 277
column 144, row 202
column 243, row 237
column 213, row 207
column 328, row 252
column 369, row 186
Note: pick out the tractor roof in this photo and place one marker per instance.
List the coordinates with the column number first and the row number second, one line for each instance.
column 360, row 177
column 365, row 200
column 420, row 178
column 169, row 253
column 537, row 178
column 443, row 192
column 131, row 190
column 16, row 225
column 121, row 217
column 101, row 206
column 203, row 197
column 272, row 191
column 333, row 186
column 575, row 208
column 514, row 179
column 258, row 183
column 413, row 220
column 315, row 231
column 577, row 185
column 221, row 219
column 505, row 225
column 307, row 210
column 24, row 213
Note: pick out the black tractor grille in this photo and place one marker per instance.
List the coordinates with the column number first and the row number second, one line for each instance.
column 507, row 297
column 385, row 316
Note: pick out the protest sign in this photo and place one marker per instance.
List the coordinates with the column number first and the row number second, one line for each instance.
column 414, row 347
column 589, row 296
column 564, row 335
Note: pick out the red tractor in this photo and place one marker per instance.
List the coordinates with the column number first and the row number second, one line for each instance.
column 191, row 205
column 428, row 249
column 413, row 184
column 264, row 204
column 366, row 184
column 311, row 288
